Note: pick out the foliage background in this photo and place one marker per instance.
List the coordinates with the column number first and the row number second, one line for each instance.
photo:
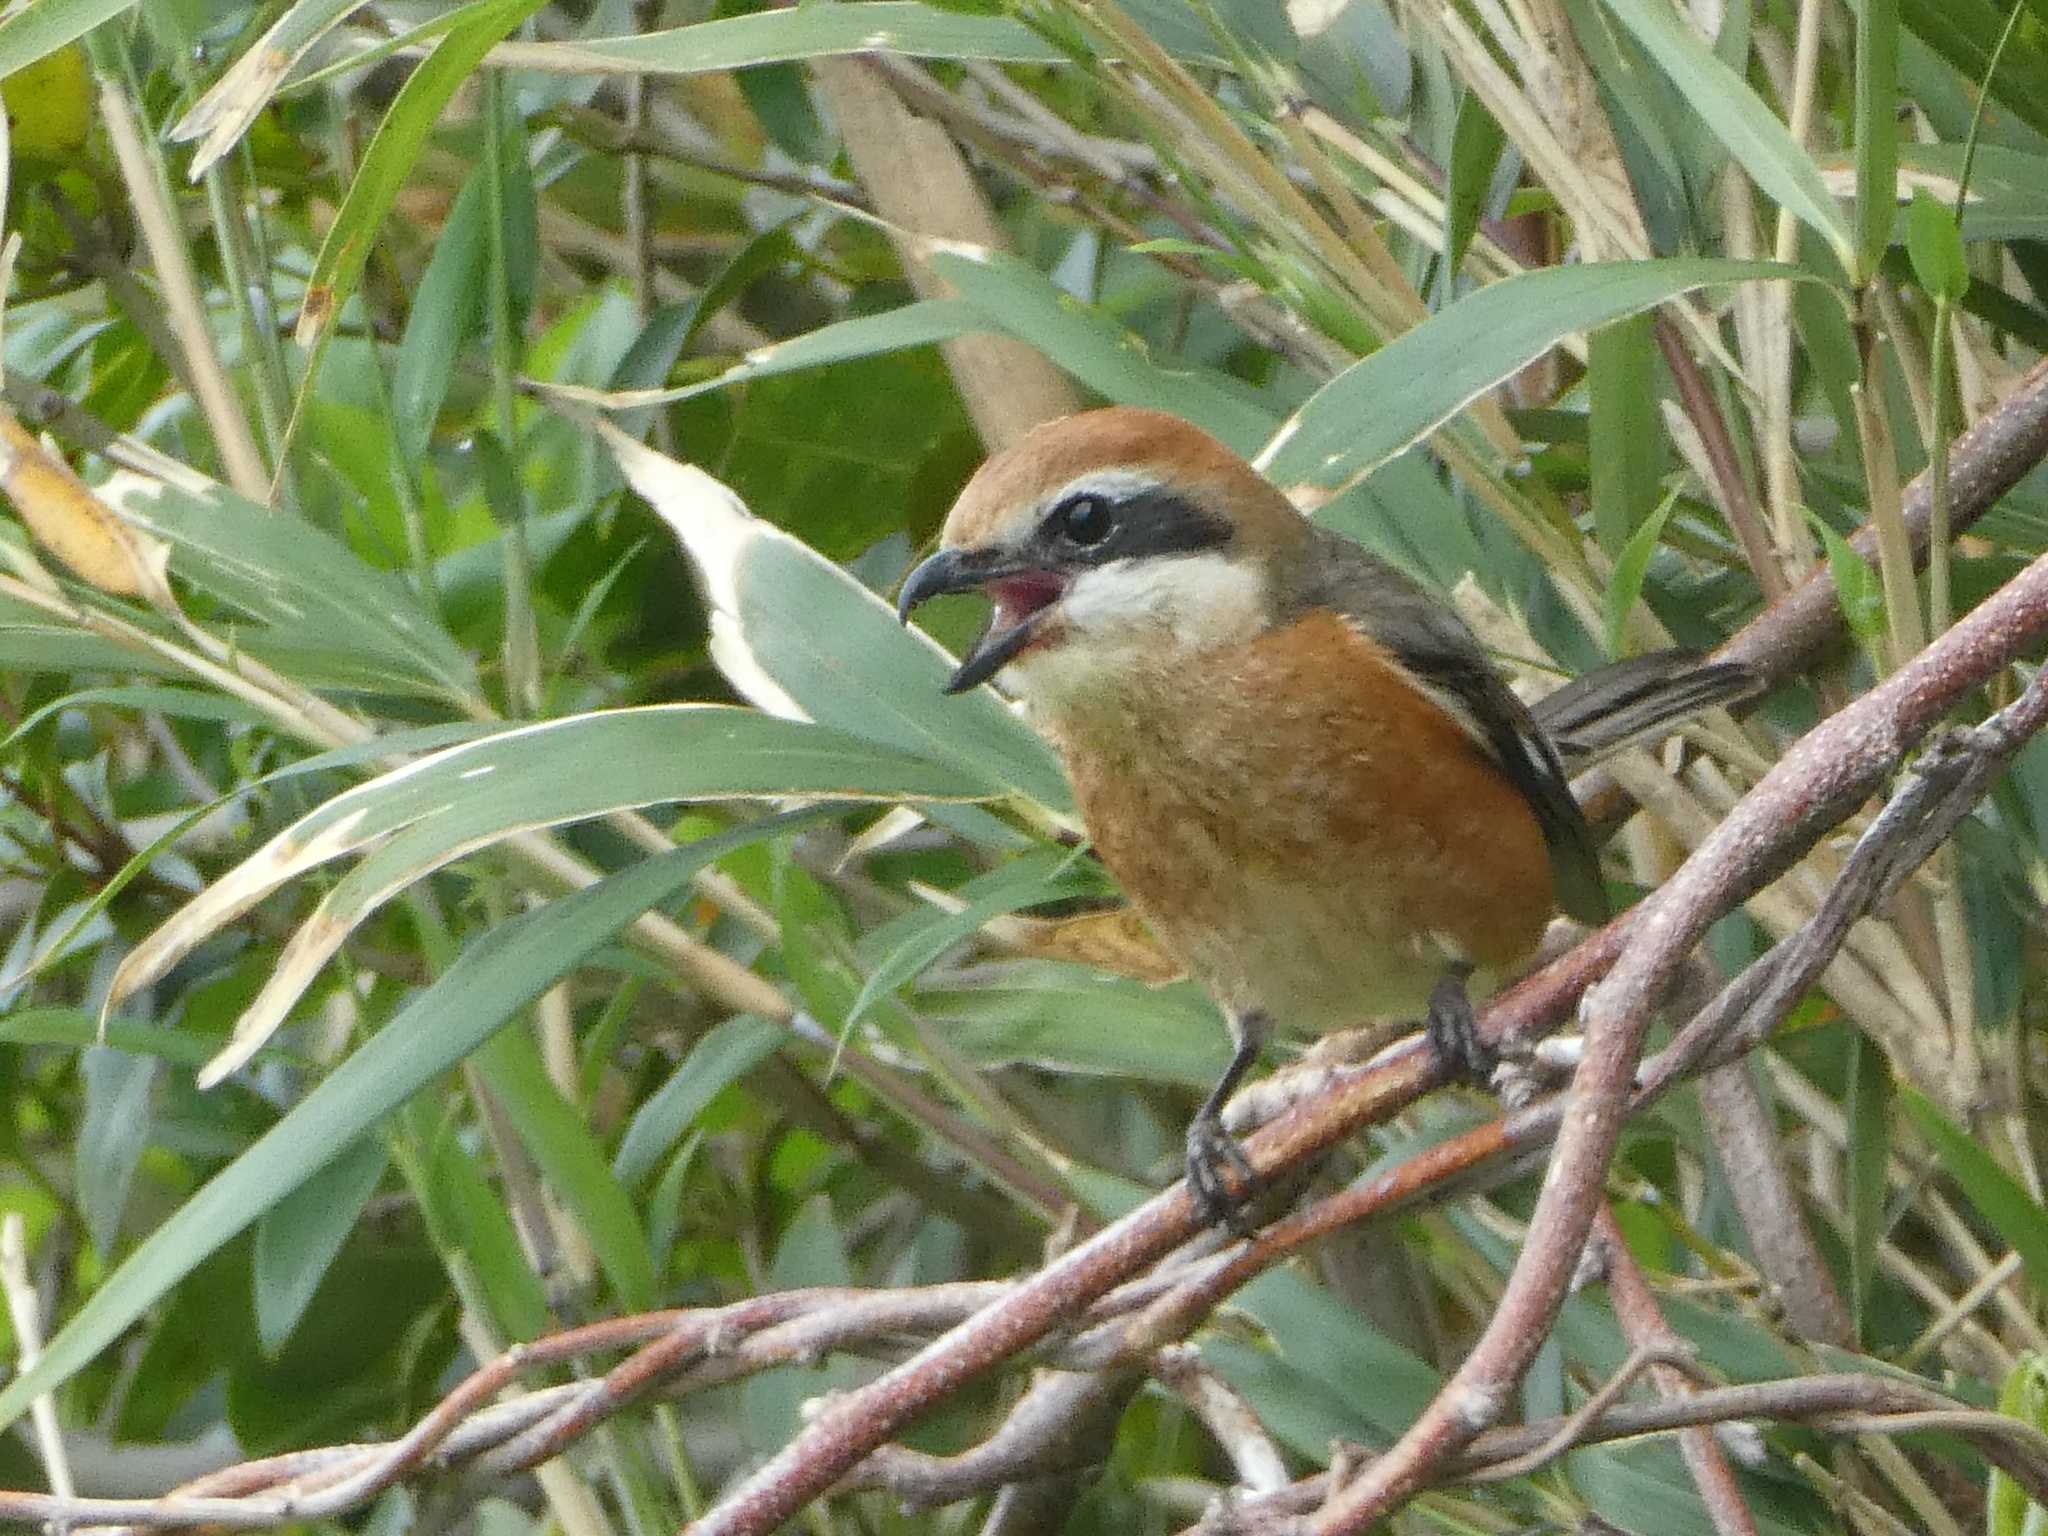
column 491, row 1114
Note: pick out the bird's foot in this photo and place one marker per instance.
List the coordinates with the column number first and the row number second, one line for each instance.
column 1220, row 1177
column 1453, row 1033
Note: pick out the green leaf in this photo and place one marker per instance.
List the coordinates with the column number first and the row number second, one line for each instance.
column 32, row 32
column 467, row 1218
column 1646, row 1487
column 2008, row 1510
column 446, row 315
column 1336, row 1373
column 1745, row 126
column 556, row 1135
column 418, row 818
column 246, row 87
column 178, row 703
column 1027, row 304
column 1935, row 244
column 920, row 324
column 1626, row 435
column 1415, row 383
column 495, row 978
column 1857, row 587
column 389, row 161
column 314, row 599
column 78, row 1029
column 297, row 1238
column 1476, row 143
column 112, row 1137
column 1630, row 569
column 1026, row 882
column 725, row 1053
column 1070, row 1018
column 800, row 636
column 1869, row 1117
column 812, row 1252
column 1877, row 131
column 1999, row 1197
column 804, row 32
column 1967, row 36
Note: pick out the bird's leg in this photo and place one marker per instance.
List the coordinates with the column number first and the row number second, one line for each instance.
column 1219, row 1177
column 1453, row 1030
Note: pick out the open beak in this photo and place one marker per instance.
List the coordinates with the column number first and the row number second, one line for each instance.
column 1021, row 595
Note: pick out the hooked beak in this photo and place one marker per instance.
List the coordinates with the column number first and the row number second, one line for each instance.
column 1022, row 593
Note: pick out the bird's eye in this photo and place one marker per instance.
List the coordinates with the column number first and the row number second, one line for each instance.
column 1084, row 519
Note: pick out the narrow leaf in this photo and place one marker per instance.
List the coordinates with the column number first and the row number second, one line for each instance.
column 31, row 32
column 1869, row 1107
column 1630, row 570
column 1747, row 128
column 1414, row 384
column 112, row 1137
column 297, row 1239
column 1625, row 438
column 2002, row 1200
column 2008, row 1510
column 1934, row 241
column 1476, row 144
column 1877, row 130
column 726, row 1053
column 551, row 1129
column 495, row 978
column 389, row 161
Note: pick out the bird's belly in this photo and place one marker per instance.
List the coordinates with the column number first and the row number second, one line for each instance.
column 1313, row 954
column 1309, row 849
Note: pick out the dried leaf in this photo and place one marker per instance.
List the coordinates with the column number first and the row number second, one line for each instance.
column 72, row 523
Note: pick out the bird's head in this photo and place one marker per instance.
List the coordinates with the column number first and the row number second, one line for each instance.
column 1110, row 543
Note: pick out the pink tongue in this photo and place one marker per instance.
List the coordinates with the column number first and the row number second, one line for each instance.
column 1019, row 597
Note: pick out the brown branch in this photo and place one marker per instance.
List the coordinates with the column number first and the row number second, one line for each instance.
column 1672, row 1355
column 1066, row 1421
column 1824, row 776
column 1849, row 1402
column 854, row 1425
column 1643, row 1325
column 1231, row 1421
column 1739, row 1127
column 1736, row 502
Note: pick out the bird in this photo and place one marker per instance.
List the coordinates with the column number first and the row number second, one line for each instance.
column 1301, row 767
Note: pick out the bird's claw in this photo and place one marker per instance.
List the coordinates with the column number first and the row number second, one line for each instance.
column 1220, row 1177
column 1453, row 1032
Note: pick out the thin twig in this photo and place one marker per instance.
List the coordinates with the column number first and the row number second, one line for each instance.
column 1571, row 1430
column 1643, row 1325
column 1232, row 1420
column 1731, row 486
column 1848, row 1402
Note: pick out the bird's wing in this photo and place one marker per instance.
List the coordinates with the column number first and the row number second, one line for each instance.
column 1448, row 663
column 1622, row 703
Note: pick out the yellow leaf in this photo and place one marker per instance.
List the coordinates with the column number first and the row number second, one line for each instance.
column 72, row 523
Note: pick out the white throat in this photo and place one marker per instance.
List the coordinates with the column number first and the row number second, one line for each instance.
column 1134, row 618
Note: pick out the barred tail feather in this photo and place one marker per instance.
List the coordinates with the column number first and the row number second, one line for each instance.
column 1646, row 696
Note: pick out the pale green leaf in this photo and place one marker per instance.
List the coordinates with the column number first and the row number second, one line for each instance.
column 1418, row 381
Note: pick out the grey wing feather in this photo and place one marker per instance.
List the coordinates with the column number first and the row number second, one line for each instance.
column 1444, row 657
column 1625, row 702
